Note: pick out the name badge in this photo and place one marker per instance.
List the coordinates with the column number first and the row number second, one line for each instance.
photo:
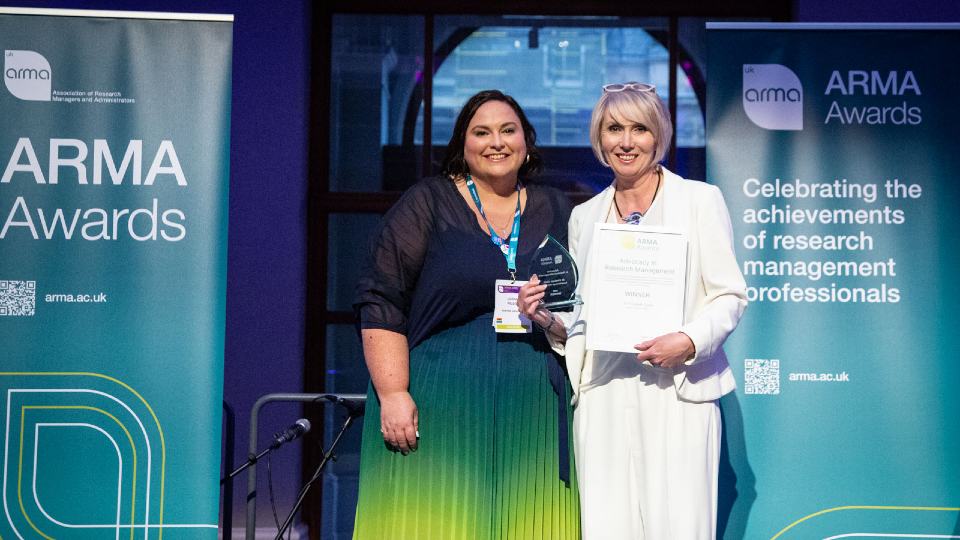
column 506, row 314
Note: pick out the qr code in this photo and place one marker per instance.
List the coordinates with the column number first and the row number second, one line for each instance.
column 17, row 298
column 761, row 376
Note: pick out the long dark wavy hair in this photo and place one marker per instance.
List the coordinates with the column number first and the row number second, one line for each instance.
column 454, row 163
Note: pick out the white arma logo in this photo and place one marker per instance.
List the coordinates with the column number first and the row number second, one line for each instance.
column 773, row 97
column 26, row 74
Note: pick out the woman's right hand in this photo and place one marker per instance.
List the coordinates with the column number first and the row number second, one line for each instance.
column 399, row 422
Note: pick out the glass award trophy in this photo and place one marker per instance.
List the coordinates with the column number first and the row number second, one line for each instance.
column 555, row 268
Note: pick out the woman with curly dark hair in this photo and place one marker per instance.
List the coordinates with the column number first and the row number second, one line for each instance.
column 466, row 426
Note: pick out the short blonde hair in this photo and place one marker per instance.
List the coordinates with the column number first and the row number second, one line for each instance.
column 633, row 106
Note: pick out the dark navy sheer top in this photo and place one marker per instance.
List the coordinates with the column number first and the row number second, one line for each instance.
column 431, row 267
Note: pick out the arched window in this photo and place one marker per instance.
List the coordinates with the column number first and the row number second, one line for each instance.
column 556, row 74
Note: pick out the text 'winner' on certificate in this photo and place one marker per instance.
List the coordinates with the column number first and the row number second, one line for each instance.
column 637, row 283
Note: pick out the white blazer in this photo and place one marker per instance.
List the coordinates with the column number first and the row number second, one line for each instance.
column 715, row 297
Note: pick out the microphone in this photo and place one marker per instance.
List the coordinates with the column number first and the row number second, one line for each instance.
column 354, row 407
column 298, row 428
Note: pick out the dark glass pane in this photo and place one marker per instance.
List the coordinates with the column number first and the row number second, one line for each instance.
column 376, row 69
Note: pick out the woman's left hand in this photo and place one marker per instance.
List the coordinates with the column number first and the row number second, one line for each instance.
column 529, row 297
column 667, row 351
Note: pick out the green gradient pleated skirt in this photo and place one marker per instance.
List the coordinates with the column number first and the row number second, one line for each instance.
column 488, row 459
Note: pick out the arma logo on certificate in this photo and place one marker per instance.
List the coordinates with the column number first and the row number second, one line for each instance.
column 27, row 74
column 773, row 97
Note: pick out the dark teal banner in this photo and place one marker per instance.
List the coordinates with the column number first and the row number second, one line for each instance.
column 835, row 149
column 114, row 164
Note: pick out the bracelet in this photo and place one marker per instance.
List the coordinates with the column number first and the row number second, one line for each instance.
column 546, row 329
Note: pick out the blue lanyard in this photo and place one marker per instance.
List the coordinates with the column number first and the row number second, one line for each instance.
column 509, row 251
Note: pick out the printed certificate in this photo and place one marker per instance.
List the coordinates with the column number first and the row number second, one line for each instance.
column 637, row 283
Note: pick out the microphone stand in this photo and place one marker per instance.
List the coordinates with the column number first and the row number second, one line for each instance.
column 251, row 460
column 299, row 428
column 327, row 456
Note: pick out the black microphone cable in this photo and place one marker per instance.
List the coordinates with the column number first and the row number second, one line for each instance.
column 298, row 428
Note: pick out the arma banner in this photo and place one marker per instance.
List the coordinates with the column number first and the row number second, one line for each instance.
column 836, row 148
column 114, row 154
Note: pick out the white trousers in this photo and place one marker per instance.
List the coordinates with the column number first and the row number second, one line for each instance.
column 647, row 462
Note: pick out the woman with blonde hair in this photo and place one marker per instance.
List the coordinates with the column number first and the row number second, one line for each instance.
column 647, row 424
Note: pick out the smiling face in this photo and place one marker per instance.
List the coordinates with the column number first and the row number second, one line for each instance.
column 629, row 147
column 494, row 148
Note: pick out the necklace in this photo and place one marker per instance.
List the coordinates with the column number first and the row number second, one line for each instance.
column 502, row 231
column 633, row 218
column 507, row 246
column 496, row 229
